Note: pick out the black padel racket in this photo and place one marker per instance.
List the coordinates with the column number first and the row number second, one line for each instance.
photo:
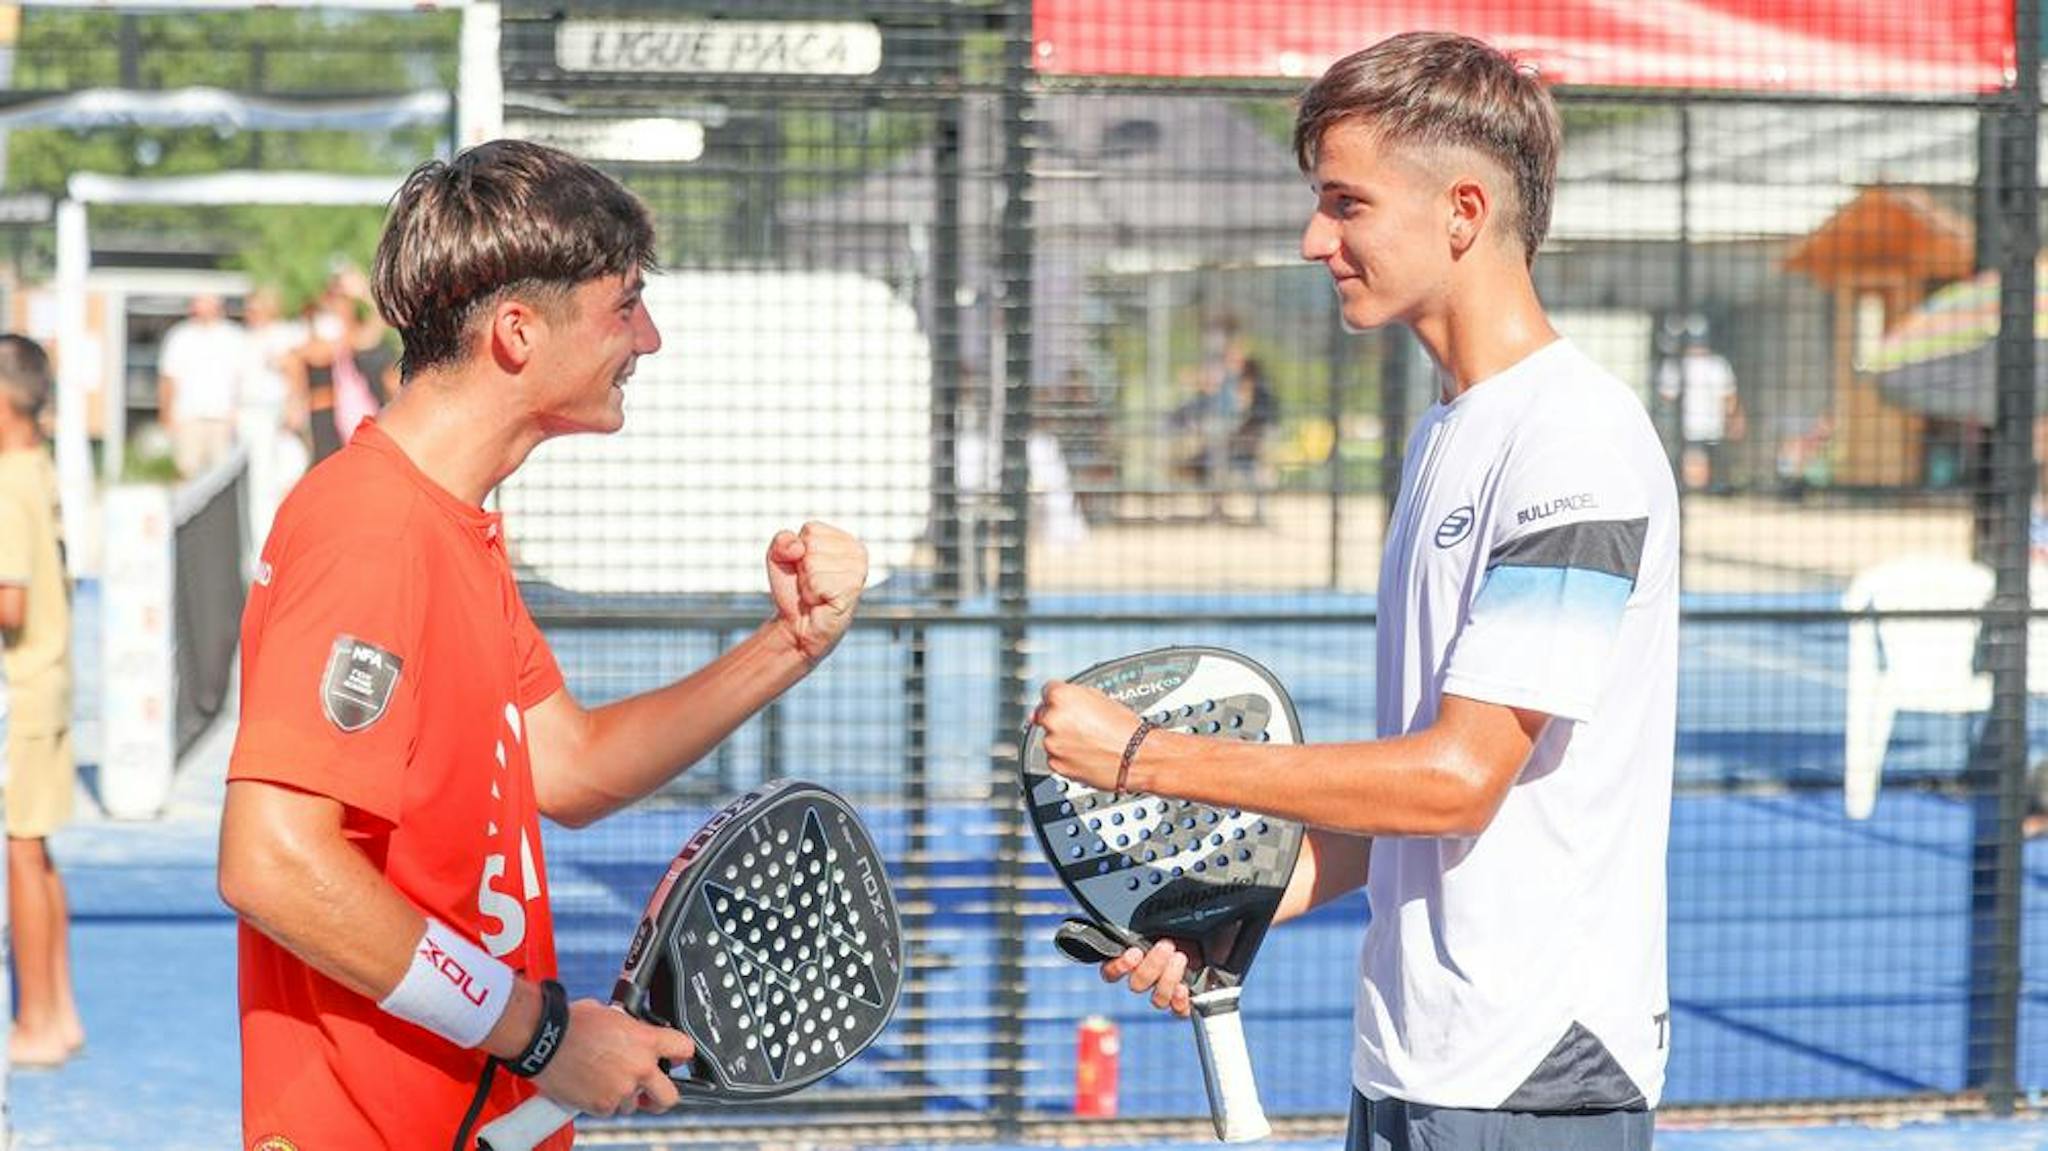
column 1146, row 867
column 772, row 942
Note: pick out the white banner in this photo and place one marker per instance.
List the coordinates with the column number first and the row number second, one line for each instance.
column 138, row 742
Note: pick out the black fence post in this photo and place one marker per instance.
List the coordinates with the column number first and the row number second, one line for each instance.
column 947, row 244
column 1999, row 769
column 1013, row 599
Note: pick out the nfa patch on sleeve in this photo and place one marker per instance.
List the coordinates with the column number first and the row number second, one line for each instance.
column 358, row 684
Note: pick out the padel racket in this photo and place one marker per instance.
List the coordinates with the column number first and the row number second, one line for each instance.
column 1146, row 867
column 772, row 942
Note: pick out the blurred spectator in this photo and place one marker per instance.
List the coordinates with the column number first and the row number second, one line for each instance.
column 360, row 357
column 276, row 455
column 1074, row 416
column 338, row 392
column 1803, row 456
column 1255, row 410
column 1224, row 425
column 1205, row 419
column 199, row 384
column 1701, row 381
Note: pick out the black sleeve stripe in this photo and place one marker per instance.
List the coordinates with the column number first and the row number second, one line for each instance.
column 1611, row 546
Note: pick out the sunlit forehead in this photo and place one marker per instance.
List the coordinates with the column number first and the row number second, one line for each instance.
column 630, row 286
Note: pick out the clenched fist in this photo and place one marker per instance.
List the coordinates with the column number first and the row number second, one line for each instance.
column 1085, row 733
column 815, row 577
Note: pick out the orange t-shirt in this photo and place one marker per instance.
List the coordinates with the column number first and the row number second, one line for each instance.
column 386, row 662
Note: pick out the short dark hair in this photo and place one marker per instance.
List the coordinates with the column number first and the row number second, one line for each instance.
column 24, row 374
column 505, row 218
column 1437, row 89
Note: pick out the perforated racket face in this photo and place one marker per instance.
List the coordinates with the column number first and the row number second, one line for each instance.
column 1169, row 867
column 775, row 946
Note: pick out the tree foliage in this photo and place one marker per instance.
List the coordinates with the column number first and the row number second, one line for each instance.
column 296, row 53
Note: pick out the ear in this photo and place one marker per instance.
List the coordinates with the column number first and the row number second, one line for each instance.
column 1471, row 205
column 515, row 334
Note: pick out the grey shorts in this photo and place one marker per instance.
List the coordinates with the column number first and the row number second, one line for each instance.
column 1392, row 1125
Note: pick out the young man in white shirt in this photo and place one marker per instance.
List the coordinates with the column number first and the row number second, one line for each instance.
column 199, row 384
column 1512, row 991
column 1702, row 383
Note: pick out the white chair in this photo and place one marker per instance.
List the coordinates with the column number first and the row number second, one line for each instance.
column 1925, row 665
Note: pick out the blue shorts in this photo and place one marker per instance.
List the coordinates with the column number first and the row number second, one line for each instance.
column 1393, row 1125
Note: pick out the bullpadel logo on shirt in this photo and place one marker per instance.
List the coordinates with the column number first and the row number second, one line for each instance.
column 1455, row 527
column 357, row 686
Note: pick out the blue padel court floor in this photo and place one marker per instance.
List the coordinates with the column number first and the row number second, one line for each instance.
column 1811, row 955
column 1837, row 981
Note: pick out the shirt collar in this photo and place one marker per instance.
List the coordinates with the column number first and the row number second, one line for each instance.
column 486, row 526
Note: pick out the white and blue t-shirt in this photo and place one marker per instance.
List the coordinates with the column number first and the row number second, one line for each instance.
column 1532, row 562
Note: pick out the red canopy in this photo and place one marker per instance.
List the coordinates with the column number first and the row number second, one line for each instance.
column 1905, row 47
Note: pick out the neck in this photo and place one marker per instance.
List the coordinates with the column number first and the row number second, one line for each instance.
column 1489, row 321
column 456, row 431
column 17, row 433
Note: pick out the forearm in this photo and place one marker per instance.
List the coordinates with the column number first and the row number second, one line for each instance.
column 316, row 895
column 352, row 928
column 628, row 749
column 1419, row 784
column 1331, row 864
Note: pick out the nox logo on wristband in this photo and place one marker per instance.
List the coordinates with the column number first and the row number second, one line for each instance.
column 547, row 1037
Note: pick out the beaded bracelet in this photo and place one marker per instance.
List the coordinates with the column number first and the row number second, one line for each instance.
column 1123, row 769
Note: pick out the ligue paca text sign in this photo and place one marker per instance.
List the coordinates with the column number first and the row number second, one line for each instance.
column 719, row 47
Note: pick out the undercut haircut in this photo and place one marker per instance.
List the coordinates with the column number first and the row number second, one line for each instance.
column 505, row 219
column 1439, row 89
column 24, row 375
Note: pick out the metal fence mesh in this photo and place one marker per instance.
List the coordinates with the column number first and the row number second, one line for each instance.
column 1035, row 324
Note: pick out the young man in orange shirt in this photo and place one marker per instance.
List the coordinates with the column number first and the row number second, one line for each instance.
column 403, row 722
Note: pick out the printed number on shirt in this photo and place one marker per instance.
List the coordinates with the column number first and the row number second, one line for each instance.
column 501, row 897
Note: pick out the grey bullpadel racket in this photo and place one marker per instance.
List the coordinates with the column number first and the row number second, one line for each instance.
column 772, row 942
column 1146, row 867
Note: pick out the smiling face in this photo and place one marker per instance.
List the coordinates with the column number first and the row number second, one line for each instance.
column 594, row 339
column 1383, row 227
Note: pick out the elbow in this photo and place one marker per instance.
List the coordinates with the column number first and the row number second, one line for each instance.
column 1466, row 822
column 240, row 884
column 569, row 815
column 1462, row 803
column 572, row 804
column 257, row 874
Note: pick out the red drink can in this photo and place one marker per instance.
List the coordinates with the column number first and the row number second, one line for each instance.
column 1095, row 1068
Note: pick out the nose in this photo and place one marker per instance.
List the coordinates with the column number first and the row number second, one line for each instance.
column 1319, row 238
column 646, row 337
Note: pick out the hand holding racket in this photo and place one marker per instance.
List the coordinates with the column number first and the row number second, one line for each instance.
column 773, row 942
column 1147, row 868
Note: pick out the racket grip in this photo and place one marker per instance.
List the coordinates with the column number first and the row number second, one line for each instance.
column 1227, row 1067
column 523, row 1127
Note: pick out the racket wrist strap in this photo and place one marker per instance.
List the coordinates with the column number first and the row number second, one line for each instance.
column 547, row 1034
column 1123, row 767
column 453, row 988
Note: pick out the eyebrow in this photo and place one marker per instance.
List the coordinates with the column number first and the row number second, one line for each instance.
column 632, row 288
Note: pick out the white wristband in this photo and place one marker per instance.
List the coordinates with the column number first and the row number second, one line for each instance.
column 454, row 988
